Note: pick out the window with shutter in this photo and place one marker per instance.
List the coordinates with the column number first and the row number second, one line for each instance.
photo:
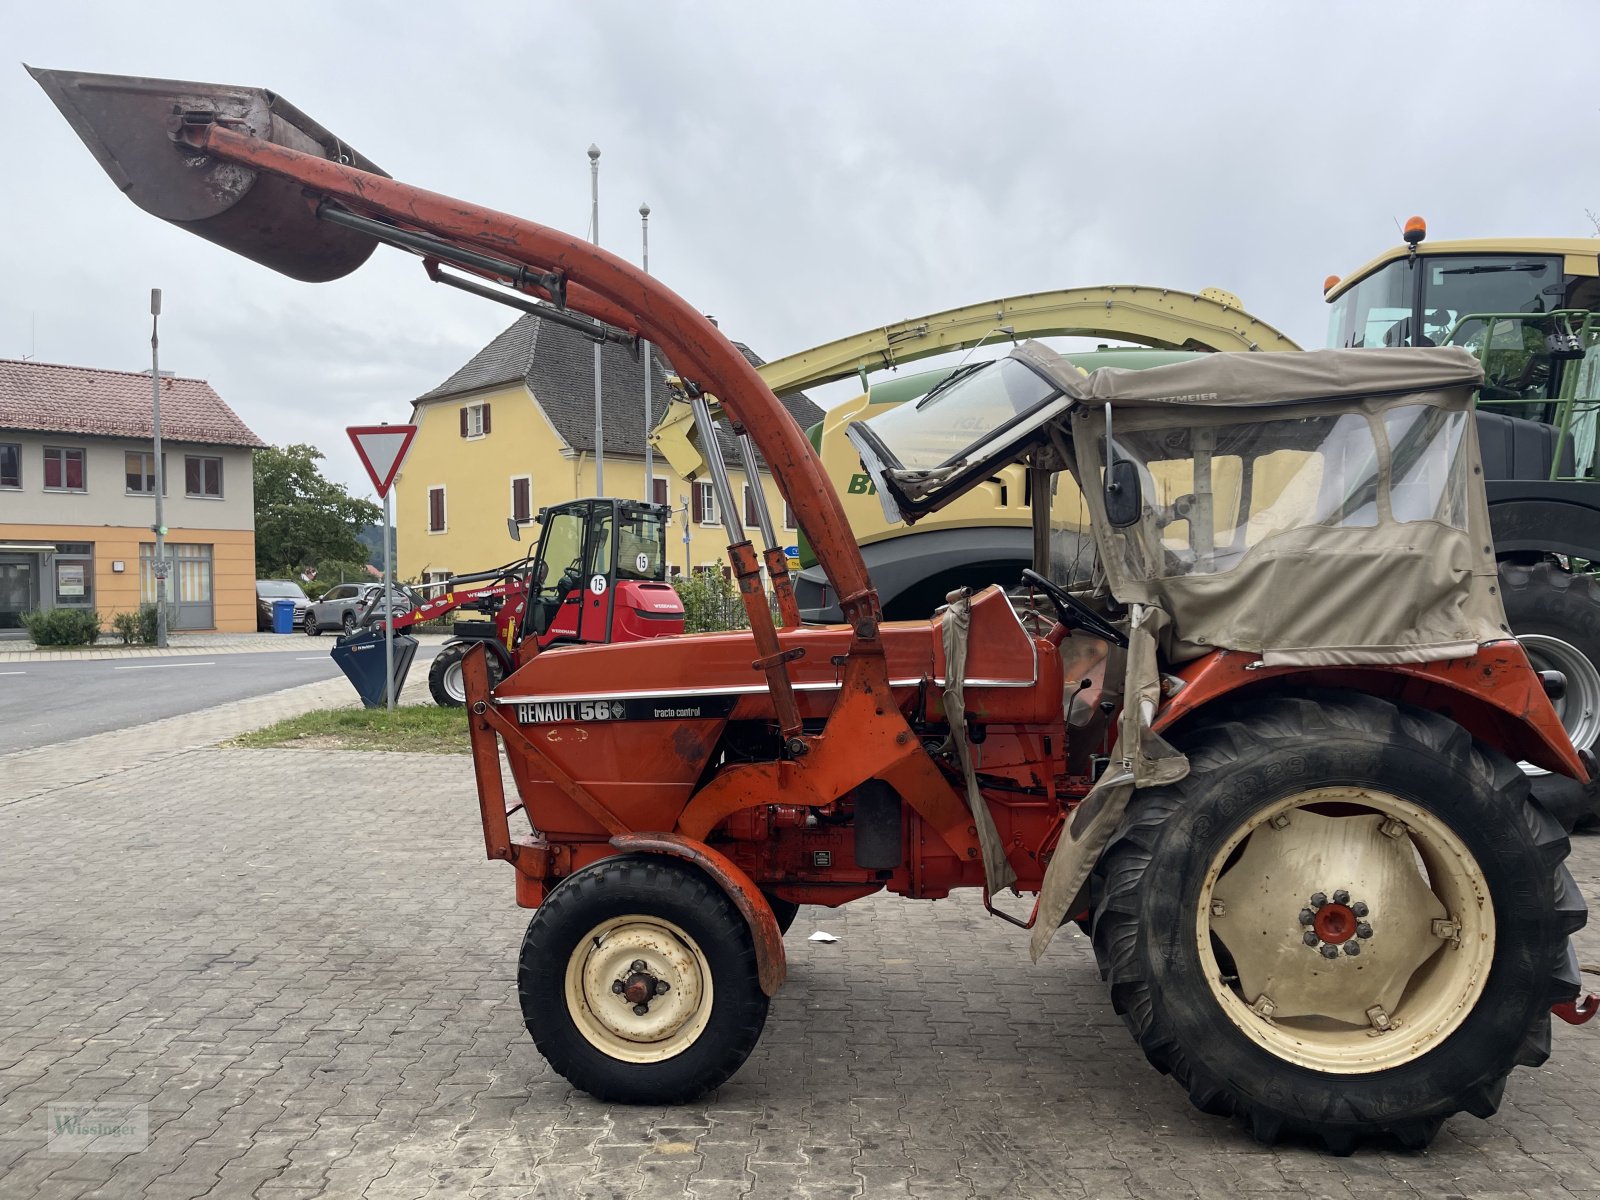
column 707, row 506
column 464, row 423
column 522, row 499
column 474, row 420
column 436, row 510
column 658, row 491
column 697, row 508
column 788, row 515
column 751, row 520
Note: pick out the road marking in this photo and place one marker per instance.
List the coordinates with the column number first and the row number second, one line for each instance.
column 313, row 658
column 163, row 666
column 13, row 672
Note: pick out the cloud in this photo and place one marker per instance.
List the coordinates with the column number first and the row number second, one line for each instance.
column 812, row 169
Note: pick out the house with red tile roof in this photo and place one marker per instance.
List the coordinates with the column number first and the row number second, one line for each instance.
column 77, row 496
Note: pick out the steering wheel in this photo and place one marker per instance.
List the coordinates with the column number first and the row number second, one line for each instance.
column 1074, row 613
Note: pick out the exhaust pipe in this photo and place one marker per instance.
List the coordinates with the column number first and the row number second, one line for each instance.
column 133, row 127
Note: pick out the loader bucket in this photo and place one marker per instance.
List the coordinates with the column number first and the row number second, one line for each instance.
column 130, row 123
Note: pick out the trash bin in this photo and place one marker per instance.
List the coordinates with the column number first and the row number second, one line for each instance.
column 360, row 656
column 283, row 616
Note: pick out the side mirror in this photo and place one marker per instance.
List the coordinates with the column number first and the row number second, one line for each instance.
column 540, row 570
column 513, row 529
column 1124, row 499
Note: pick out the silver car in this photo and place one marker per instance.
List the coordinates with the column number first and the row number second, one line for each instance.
column 345, row 607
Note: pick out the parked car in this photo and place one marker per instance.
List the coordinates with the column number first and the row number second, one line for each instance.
column 344, row 607
column 268, row 590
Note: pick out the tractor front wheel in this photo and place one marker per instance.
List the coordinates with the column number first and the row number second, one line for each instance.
column 445, row 683
column 1348, row 921
column 638, row 982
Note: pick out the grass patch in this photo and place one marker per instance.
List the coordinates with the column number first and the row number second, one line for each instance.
column 414, row 729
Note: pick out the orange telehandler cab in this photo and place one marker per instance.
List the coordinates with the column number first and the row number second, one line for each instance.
column 598, row 574
column 1270, row 762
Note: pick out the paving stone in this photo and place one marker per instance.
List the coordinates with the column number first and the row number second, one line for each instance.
column 340, row 1019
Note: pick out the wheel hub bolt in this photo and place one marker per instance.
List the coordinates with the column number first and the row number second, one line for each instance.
column 639, row 1010
column 616, row 987
column 638, row 964
column 1330, row 924
column 662, row 987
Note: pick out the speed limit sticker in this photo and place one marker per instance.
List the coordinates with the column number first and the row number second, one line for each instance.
column 642, row 562
column 597, row 585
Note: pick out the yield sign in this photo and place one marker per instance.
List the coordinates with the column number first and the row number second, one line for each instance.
column 382, row 449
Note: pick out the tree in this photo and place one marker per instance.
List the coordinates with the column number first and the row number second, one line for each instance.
column 303, row 519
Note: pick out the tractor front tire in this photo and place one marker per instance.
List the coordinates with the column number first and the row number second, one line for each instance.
column 1555, row 614
column 445, row 681
column 1348, row 922
column 638, row 982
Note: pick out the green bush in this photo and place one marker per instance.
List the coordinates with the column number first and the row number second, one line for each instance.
column 711, row 603
column 125, row 625
column 62, row 627
column 138, row 626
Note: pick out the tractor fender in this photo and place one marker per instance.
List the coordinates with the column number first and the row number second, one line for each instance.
column 1494, row 695
column 771, row 963
column 1541, row 518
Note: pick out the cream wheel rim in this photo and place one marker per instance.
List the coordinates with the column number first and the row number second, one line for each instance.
column 638, row 989
column 1356, row 930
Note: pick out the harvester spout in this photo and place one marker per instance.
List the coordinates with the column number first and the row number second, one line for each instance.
column 134, row 127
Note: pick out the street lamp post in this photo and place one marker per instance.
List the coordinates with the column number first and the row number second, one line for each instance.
column 158, row 565
column 649, row 458
column 594, row 229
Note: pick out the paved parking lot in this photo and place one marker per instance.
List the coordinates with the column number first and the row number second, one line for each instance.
column 314, row 996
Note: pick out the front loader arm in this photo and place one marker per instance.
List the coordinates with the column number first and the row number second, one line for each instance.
column 210, row 131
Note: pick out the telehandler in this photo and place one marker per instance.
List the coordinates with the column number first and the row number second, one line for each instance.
column 1270, row 763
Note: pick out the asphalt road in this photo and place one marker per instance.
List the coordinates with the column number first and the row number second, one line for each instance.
column 42, row 703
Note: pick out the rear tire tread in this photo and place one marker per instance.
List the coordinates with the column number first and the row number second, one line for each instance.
column 1122, row 867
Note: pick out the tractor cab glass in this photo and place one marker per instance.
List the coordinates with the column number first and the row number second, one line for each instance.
column 1420, row 301
column 923, row 454
column 641, row 543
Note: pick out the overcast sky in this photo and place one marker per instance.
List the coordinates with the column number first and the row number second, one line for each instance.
column 812, row 169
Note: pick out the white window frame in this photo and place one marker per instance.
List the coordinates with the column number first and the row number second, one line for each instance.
column 475, row 418
column 444, row 509
column 511, row 498
column 708, row 505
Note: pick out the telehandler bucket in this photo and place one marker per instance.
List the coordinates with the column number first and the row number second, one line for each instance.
column 132, row 125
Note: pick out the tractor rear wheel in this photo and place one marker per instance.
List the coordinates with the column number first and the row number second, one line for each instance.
column 1348, row 921
column 638, row 982
column 445, row 683
column 1555, row 614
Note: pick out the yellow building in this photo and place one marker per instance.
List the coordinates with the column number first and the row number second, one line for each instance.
column 77, row 496
column 513, row 431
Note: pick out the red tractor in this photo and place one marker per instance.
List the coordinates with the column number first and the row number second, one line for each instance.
column 598, row 574
column 1268, row 760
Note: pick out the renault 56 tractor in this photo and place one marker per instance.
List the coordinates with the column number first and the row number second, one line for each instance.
column 1268, row 760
